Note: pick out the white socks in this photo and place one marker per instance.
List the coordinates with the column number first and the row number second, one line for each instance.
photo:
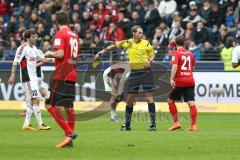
column 29, row 112
column 113, row 114
column 37, row 113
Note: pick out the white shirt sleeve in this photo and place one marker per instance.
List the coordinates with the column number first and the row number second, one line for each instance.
column 20, row 53
column 236, row 55
column 40, row 55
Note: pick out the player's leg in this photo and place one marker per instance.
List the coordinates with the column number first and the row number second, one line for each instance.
column 175, row 94
column 42, row 89
column 190, row 99
column 69, row 134
column 35, row 105
column 27, row 102
column 109, row 87
column 66, row 119
column 29, row 110
column 43, row 92
column 113, row 103
column 68, row 104
column 133, row 84
column 149, row 88
column 128, row 111
column 55, row 104
column 151, row 110
column 70, row 112
column 193, row 114
column 38, row 115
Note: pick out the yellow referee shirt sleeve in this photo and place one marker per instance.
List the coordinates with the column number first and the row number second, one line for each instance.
column 124, row 44
column 150, row 51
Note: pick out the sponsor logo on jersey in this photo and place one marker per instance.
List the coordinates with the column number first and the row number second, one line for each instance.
column 57, row 42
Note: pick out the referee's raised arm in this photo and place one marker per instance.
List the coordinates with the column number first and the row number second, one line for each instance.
column 107, row 49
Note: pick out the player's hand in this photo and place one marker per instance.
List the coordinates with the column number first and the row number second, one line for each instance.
column 97, row 56
column 173, row 83
column 48, row 54
column 148, row 65
column 119, row 98
column 11, row 79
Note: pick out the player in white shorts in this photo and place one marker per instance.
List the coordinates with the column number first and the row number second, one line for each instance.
column 114, row 78
column 26, row 56
column 42, row 88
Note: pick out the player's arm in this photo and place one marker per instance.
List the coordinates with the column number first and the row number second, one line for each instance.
column 151, row 56
column 59, row 44
column 174, row 68
column 235, row 65
column 235, row 59
column 45, row 60
column 173, row 74
column 42, row 59
column 58, row 54
column 107, row 49
column 17, row 59
column 13, row 73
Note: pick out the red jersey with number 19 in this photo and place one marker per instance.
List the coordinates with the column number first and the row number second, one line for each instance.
column 68, row 41
column 185, row 61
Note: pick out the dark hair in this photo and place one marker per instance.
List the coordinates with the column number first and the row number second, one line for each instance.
column 134, row 28
column 62, row 18
column 179, row 40
column 28, row 33
column 229, row 42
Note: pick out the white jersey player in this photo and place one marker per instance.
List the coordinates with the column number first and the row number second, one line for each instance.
column 41, row 85
column 236, row 57
column 114, row 78
column 26, row 56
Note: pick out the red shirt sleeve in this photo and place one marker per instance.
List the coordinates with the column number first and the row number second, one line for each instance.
column 59, row 41
column 174, row 58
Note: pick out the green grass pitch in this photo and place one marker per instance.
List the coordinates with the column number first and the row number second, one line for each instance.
column 218, row 138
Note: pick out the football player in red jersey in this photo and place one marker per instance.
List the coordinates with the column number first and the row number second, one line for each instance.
column 182, row 83
column 62, row 87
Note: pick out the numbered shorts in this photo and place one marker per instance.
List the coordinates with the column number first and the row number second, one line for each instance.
column 186, row 92
column 62, row 93
column 31, row 89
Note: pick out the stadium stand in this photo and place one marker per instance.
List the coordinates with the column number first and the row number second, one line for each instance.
column 206, row 24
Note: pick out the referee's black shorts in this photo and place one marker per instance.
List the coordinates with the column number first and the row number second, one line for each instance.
column 186, row 92
column 140, row 77
column 62, row 93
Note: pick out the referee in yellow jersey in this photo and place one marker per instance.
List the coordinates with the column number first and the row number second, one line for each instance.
column 141, row 56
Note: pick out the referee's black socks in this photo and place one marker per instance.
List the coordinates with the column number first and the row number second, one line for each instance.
column 152, row 112
column 128, row 114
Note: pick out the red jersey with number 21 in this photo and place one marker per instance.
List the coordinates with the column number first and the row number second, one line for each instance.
column 68, row 41
column 185, row 61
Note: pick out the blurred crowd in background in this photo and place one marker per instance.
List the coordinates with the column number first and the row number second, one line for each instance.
column 208, row 25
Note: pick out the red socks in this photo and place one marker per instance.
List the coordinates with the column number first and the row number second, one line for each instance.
column 173, row 111
column 57, row 115
column 71, row 118
column 193, row 113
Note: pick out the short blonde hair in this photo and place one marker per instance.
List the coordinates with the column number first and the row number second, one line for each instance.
column 134, row 28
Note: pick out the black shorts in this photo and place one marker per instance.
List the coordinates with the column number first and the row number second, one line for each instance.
column 62, row 93
column 138, row 78
column 186, row 92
